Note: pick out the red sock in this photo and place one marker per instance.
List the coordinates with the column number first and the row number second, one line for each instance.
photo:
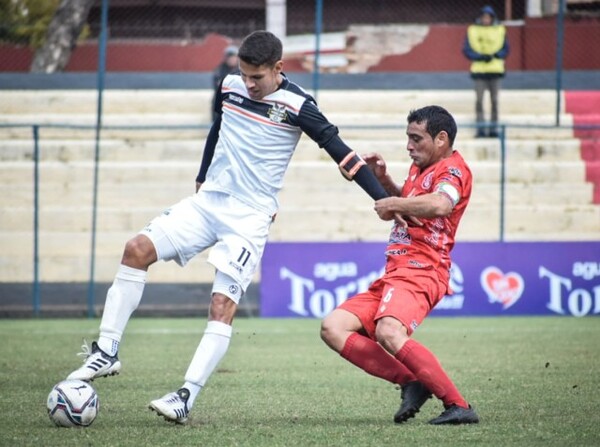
column 372, row 358
column 426, row 367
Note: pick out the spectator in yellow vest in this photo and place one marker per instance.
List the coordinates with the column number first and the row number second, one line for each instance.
column 486, row 46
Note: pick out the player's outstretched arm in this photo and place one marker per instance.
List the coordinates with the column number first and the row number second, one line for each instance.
column 315, row 125
column 353, row 167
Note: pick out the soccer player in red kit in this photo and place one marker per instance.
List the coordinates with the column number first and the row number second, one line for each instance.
column 372, row 329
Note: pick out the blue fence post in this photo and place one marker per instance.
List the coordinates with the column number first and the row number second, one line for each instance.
column 36, row 225
column 560, row 32
column 502, row 179
column 318, row 29
column 101, row 71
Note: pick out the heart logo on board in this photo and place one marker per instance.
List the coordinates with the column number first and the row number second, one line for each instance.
column 504, row 288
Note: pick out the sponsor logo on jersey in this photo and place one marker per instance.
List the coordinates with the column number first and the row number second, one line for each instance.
column 236, row 98
column 277, row 113
column 455, row 171
column 235, row 266
column 233, row 289
column 396, row 252
column 415, row 263
column 399, row 235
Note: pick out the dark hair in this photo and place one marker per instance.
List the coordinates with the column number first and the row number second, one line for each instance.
column 261, row 48
column 437, row 119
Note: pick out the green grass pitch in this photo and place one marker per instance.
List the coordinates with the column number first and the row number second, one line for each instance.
column 533, row 381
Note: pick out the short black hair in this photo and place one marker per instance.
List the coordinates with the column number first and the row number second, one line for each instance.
column 261, row 48
column 437, row 119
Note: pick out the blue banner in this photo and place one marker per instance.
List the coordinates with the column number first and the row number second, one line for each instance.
column 488, row 278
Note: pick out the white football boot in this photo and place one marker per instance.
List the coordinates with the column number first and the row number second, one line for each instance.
column 96, row 363
column 172, row 406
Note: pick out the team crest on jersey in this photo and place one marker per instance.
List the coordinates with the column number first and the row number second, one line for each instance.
column 277, row 113
column 427, row 181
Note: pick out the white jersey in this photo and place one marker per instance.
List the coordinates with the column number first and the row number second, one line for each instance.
column 257, row 139
column 246, row 154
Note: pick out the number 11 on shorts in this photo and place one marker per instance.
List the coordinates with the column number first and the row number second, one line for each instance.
column 243, row 257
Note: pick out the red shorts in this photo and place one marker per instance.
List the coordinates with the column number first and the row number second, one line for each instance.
column 406, row 294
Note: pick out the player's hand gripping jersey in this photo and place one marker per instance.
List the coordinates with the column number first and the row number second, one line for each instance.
column 250, row 146
column 428, row 246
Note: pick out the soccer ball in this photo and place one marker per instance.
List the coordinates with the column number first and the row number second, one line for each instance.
column 73, row 403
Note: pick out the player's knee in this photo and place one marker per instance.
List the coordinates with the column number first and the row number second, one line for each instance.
column 222, row 308
column 390, row 334
column 332, row 332
column 382, row 332
column 139, row 253
column 327, row 329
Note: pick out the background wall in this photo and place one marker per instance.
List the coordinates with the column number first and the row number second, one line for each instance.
column 532, row 48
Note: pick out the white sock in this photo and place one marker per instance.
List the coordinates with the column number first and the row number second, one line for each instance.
column 121, row 300
column 210, row 351
column 194, row 390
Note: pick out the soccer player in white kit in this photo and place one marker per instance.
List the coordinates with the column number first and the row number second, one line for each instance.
column 261, row 118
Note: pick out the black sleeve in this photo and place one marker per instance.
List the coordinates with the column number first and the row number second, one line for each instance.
column 314, row 124
column 319, row 129
column 209, row 149
column 218, row 98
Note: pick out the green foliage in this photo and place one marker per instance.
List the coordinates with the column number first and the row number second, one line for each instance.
column 25, row 22
column 533, row 381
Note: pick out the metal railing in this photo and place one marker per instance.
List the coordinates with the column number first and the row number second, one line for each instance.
column 37, row 156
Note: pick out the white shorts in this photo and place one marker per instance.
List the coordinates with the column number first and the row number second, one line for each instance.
column 237, row 232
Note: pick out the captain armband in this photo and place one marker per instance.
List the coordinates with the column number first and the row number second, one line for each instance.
column 350, row 165
column 448, row 190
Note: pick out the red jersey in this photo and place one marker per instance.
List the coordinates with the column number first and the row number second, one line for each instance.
column 429, row 246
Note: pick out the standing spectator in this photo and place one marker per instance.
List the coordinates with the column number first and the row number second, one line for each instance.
column 486, row 46
column 228, row 65
column 261, row 116
column 373, row 329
